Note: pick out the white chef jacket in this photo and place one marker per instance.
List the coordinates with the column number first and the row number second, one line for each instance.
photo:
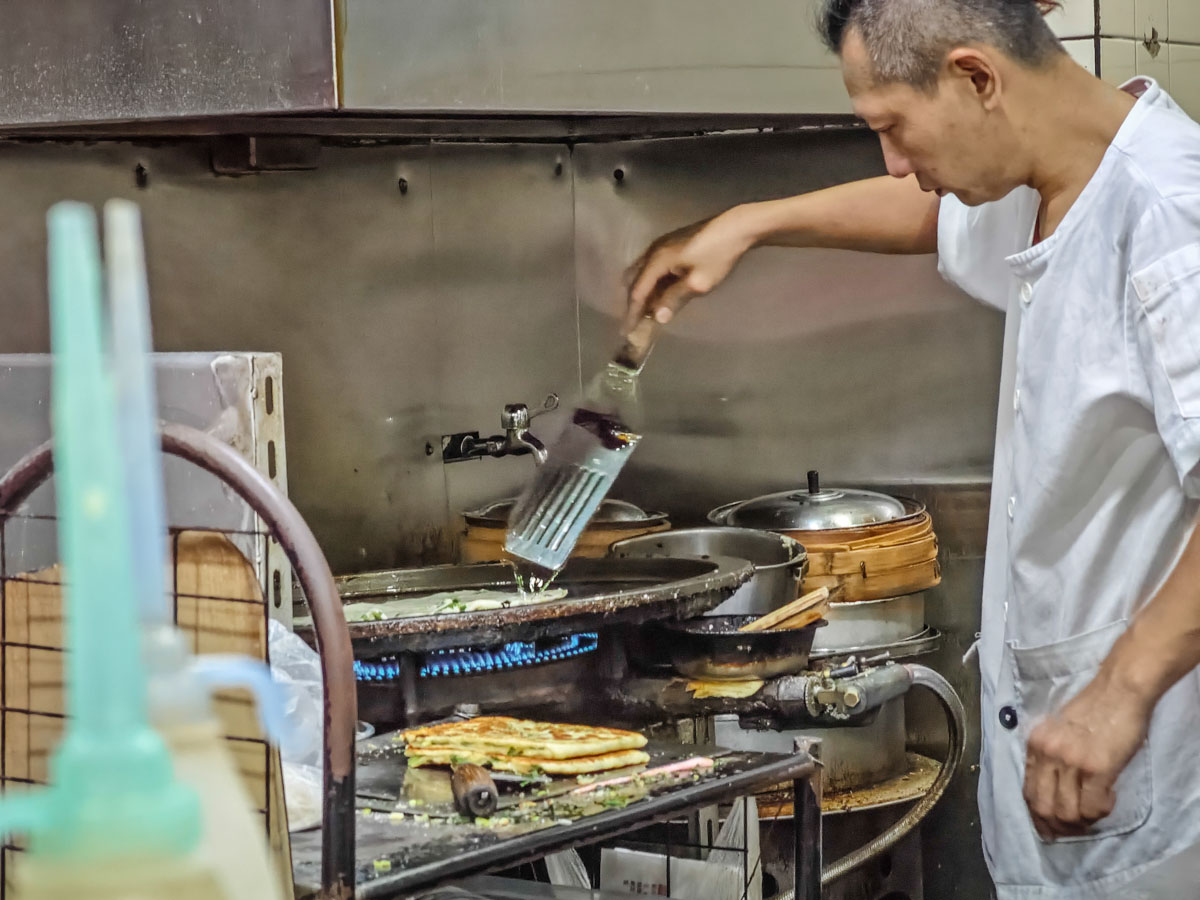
column 1095, row 485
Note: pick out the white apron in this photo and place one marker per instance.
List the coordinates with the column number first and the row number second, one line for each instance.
column 1094, row 484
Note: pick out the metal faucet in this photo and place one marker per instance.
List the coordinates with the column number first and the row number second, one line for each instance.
column 515, row 422
column 516, row 440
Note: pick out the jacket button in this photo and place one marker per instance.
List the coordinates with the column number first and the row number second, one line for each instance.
column 1008, row 717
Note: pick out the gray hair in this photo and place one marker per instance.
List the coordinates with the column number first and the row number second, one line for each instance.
column 908, row 40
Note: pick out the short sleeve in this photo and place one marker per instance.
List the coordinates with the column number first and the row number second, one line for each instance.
column 1166, row 290
column 974, row 243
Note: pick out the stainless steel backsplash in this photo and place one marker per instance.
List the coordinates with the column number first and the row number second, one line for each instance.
column 413, row 289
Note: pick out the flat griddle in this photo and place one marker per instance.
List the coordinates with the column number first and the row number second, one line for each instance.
column 600, row 593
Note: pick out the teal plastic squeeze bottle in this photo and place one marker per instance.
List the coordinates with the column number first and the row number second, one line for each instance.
column 113, row 796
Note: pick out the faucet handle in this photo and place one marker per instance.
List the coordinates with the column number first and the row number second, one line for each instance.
column 549, row 405
column 516, row 416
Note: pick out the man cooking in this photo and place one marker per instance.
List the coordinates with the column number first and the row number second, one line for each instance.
column 1074, row 207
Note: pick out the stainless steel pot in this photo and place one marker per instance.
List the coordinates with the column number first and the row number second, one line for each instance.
column 853, row 757
column 780, row 563
column 869, row 623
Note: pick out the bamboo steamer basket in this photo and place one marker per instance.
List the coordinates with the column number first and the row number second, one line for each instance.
column 483, row 539
column 861, row 545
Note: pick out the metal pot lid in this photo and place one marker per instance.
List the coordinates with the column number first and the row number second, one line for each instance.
column 816, row 509
column 615, row 511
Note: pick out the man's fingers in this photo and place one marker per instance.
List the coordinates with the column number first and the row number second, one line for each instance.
column 1041, row 791
column 672, row 299
column 1043, row 828
column 1096, row 798
column 654, row 277
column 1066, row 802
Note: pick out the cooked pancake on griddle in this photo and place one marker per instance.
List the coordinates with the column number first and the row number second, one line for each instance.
column 524, row 765
column 505, row 736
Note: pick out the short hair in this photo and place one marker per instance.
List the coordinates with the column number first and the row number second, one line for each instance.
column 908, row 40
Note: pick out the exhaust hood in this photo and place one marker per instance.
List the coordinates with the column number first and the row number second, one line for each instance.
column 108, row 61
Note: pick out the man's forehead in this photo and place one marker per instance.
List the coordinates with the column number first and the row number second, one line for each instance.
column 857, row 70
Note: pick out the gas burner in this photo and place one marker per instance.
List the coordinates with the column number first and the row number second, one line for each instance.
column 472, row 661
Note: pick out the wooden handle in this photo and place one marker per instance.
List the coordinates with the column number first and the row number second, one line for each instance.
column 804, row 619
column 638, row 344
column 793, row 609
column 475, row 793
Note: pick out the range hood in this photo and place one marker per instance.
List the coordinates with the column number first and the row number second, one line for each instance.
column 106, row 61
column 72, row 61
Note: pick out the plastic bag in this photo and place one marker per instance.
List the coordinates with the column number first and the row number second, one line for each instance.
column 296, row 667
column 721, row 877
column 566, row 868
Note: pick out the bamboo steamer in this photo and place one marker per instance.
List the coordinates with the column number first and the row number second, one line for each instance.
column 483, row 540
column 861, row 545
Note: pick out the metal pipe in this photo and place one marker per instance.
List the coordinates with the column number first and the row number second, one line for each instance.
column 927, row 678
column 806, row 825
column 333, row 638
column 956, row 723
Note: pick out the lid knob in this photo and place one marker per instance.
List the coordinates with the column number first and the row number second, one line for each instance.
column 814, row 483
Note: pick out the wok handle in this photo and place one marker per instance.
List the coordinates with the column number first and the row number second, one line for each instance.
column 475, row 792
column 809, row 601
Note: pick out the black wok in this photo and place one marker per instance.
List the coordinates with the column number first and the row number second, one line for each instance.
column 713, row 649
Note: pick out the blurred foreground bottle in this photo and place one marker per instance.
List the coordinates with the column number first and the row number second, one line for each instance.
column 144, row 800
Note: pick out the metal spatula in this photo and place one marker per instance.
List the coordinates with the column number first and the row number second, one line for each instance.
column 583, row 464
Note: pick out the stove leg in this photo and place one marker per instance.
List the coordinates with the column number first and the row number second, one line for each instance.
column 806, row 824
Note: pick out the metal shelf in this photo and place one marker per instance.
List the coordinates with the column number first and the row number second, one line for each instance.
column 397, row 858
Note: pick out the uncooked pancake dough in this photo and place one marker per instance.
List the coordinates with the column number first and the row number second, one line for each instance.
column 446, row 602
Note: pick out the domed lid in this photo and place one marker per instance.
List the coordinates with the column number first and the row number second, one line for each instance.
column 815, row 509
column 610, row 511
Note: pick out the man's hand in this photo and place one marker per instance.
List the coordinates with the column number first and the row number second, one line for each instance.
column 685, row 264
column 1075, row 756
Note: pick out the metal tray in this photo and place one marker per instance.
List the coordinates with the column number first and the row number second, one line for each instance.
column 396, row 858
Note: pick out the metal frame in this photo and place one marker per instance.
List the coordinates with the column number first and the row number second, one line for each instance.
column 348, row 127
column 270, row 458
column 801, row 768
column 337, row 661
column 7, row 516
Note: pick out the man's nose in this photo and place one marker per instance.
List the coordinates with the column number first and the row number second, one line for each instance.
column 897, row 163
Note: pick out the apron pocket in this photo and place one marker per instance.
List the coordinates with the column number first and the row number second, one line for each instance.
column 1046, row 679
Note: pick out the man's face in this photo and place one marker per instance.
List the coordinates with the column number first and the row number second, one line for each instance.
column 945, row 137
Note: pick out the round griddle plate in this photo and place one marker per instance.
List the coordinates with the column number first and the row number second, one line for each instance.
column 601, row 592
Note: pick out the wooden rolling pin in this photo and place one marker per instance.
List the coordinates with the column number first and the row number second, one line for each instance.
column 475, row 792
column 813, row 602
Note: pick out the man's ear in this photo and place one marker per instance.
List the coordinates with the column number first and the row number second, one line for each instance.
column 976, row 68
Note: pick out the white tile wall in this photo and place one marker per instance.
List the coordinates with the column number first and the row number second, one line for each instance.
column 1185, row 77
column 1118, row 59
column 1076, row 18
column 1118, row 18
column 1185, row 20
column 1083, row 51
column 1152, row 16
column 1156, row 67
